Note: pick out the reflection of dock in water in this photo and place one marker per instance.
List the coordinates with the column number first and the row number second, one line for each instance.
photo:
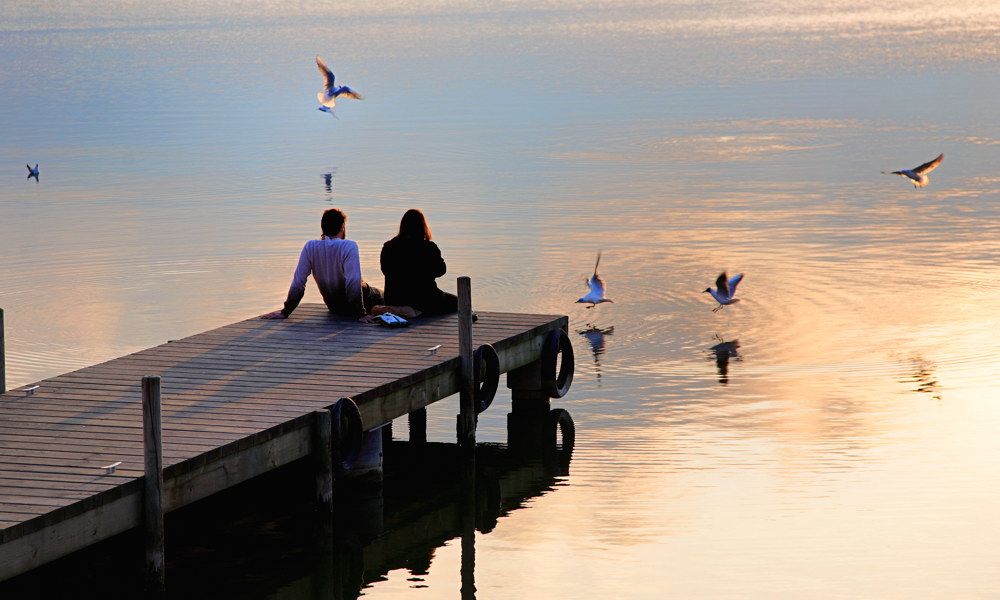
column 228, row 546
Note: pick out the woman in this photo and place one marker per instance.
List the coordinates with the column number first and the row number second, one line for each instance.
column 411, row 262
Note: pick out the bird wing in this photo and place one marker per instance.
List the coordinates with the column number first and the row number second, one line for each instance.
column 597, row 263
column 349, row 93
column 596, row 285
column 327, row 73
column 927, row 167
column 722, row 284
column 733, row 283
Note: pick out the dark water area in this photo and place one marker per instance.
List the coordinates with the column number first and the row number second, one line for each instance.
column 268, row 538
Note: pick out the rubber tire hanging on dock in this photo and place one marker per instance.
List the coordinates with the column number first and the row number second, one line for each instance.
column 485, row 375
column 556, row 385
column 346, row 435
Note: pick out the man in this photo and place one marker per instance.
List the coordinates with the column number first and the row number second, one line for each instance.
column 333, row 262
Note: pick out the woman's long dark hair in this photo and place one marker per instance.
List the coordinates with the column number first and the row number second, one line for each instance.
column 414, row 226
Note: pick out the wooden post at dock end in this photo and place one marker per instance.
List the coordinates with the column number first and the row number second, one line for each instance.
column 323, row 455
column 467, row 397
column 153, row 485
column 3, row 359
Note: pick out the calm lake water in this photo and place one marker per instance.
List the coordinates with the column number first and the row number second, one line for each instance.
column 850, row 451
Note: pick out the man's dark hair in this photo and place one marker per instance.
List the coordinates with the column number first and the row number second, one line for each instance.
column 333, row 219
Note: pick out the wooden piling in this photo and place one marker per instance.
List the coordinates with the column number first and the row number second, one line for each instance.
column 418, row 426
column 467, row 416
column 323, row 457
column 3, row 359
column 153, row 486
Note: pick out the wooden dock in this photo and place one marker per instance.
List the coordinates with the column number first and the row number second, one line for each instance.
column 237, row 402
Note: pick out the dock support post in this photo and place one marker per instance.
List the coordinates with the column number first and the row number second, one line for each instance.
column 530, row 406
column 367, row 471
column 3, row 359
column 531, row 420
column 153, row 484
column 418, row 426
column 467, row 397
column 323, row 455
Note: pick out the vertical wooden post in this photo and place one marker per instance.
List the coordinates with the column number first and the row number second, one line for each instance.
column 467, row 438
column 3, row 359
column 467, row 416
column 153, row 496
column 323, row 455
column 418, row 426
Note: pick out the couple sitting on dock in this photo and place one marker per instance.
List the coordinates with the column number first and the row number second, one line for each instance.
column 410, row 262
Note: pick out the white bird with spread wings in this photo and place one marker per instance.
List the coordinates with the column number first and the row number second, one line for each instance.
column 918, row 174
column 596, row 295
column 333, row 91
column 725, row 290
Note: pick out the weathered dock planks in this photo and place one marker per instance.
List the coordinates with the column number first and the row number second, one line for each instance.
column 236, row 402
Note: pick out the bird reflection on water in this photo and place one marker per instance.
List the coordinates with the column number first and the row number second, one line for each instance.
column 598, row 344
column 924, row 377
column 723, row 351
column 328, row 182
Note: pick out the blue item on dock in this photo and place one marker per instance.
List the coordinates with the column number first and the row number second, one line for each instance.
column 391, row 320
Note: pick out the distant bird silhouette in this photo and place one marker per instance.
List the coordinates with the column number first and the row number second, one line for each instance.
column 33, row 172
column 726, row 289
column 329, row 98
column 918, row 174
column 596, row 295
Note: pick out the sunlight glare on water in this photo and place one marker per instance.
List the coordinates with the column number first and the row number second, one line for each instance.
column 848, row 451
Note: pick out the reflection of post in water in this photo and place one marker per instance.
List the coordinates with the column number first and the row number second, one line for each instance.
column 468, row 510
column 723, row 352
column 595, row 336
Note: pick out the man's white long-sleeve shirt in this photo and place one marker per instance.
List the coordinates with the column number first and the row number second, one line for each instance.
column 336, row 268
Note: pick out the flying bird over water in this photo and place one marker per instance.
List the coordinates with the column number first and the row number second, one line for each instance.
column 726, row 289
column 596, row 295
column 329, row 98
column 33, row 172
column 918, row 174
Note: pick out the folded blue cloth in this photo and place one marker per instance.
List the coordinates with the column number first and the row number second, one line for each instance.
column 391, row 320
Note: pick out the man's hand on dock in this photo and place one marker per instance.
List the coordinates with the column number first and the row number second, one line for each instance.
column 278, row 315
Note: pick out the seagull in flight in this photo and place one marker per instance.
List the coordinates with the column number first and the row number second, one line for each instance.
column 33, row 172
column 328, row 98
column 726, row 289
column 918, row 174
column 596, row 295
